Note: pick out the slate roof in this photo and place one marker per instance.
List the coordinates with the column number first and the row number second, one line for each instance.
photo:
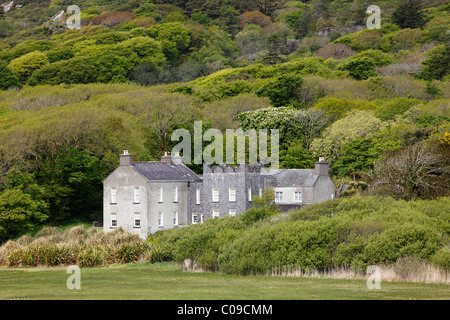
column 165, row 171
column 294, row 177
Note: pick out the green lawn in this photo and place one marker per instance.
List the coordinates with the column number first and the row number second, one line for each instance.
column 166, row 281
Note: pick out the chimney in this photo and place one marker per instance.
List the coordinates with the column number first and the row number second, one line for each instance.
column 322, row 167
column 126, row 159
column 177, row 159
column 166, row 158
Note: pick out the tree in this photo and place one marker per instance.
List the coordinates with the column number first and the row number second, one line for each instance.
column 163, row 114
column 297, row 157
column 72, row 181
column 283, row 91
column 7, row 77
column 418, row 171
column 362, row 66
column 437, row 64
column 358, row 124
column 19, row 213
column 25, row 65
column 255, row 17
column 409, row 14
column 250, row 42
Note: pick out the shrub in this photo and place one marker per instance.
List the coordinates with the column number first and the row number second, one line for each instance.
column 442, row 258
column 284, row 91
column 362, row 66
column 92, row 256
column 25, row 65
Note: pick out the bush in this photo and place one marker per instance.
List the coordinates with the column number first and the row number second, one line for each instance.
column 284, row 91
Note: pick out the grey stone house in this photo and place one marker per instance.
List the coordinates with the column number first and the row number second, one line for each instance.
column 144, row 197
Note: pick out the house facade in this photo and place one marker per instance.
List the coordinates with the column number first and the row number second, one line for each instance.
column 145, row 197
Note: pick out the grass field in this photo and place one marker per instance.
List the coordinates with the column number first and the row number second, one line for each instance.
column 166, row 281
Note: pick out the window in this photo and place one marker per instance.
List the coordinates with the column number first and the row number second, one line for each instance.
column 202, row 218
column 136, row 195
column 175, row 218
column 215, row 214
column 298, row 197
column 113, row 195
column 113, row 220
column 197, row 196
column 232, row 213
column 278, row 196
column 250, row 194
column 232, row 194
column 260, row 192
column 175, row 194
column 194, row 218
column 137, row 220
column 160, row 194
column 160, row 219
column 215, row 195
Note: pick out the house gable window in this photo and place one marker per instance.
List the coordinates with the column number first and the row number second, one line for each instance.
column 175, row 194
column 136, row 195
column 113, row 220
column 160, row 219
column 113, row 196
column 175, row 218
column 137, row 220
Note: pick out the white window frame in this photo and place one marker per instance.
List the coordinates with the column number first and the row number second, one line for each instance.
column 160, row 198
column 113, row 196
column 297, row 198
column 197, row 196
column 215, row 195
column 232, row 212
column 202, row 218
column 175, row 194
column 250, row 194
column 194, row 218
column 113, row 219
column 160, row 219
column 175, row 218
column 137, row 218
column 215, row 214
column 260, row 192
column 232, row 194
column 136, row 195
column 279, row 196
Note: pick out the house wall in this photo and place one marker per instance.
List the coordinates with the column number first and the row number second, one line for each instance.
column 167, row 206
column 125, row 179
column 324, row 189
column 288, row 195
column 241, row 177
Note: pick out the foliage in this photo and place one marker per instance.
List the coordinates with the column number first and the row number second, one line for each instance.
column 282, row 92
column 409, row 14
column 19, row 213
column 25, row 65
column 7, row 77
column 436, row 65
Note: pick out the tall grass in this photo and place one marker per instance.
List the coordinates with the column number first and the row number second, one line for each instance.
column 81, row 245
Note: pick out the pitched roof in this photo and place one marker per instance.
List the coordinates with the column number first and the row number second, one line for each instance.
column 294, row 177
column 164, row 171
